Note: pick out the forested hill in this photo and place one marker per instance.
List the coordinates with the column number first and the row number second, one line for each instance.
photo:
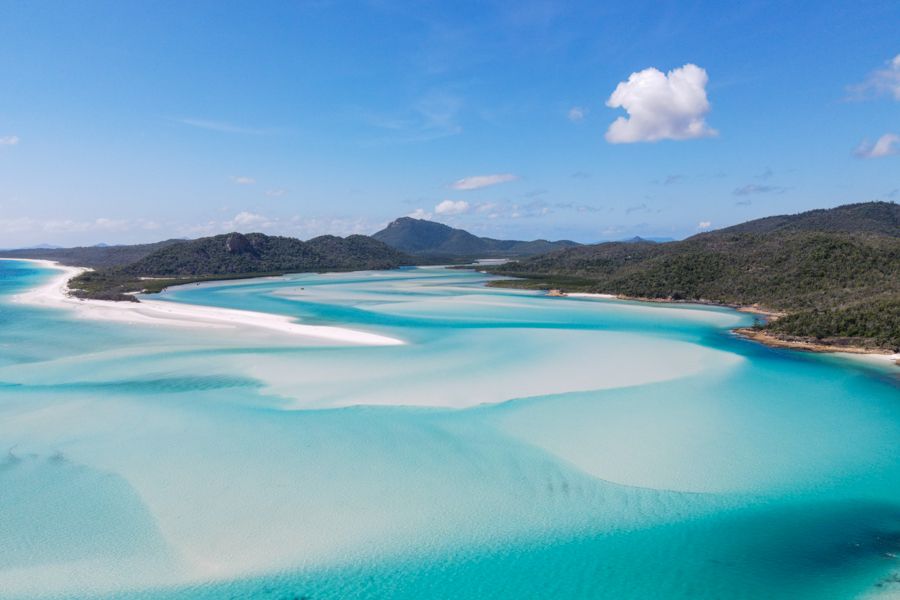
column 236, row 255
column 836, row 272
column 95, row 257
column 867, row 217
column 429, row 239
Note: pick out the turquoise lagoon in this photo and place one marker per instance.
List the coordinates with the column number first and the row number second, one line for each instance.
column 517, row 446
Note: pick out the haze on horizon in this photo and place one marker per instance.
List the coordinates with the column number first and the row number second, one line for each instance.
column 134, row 122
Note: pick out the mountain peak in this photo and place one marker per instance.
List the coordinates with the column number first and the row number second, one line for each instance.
column 429, row 238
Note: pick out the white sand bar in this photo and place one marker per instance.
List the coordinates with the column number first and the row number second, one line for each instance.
column 586, row 295
column 55, row 294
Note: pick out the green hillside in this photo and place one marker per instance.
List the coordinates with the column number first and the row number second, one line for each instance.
column 836, row 272
column 236, row 255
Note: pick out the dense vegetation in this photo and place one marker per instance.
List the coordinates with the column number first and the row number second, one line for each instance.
column 837, row 271
column 95, row 257
column 235, row 255
column 873, row 322
column 444, row 243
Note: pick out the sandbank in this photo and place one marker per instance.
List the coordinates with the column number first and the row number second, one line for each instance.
column 55, row 294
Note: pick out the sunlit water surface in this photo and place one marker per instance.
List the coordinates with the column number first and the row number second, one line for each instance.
column 517, row 446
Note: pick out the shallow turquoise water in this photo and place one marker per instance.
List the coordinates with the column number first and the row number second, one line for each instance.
column 516, row 447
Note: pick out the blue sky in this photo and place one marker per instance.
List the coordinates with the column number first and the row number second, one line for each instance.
column 130, row 122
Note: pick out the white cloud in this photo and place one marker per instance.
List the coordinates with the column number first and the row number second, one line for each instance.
column 886, row 145
column 577, row 113
column 9, row 140
column 480, row 181
column 276, row 193
column 246, row 219
column 452, row 207
column 704, row 224
column 661, row 106
column 420, row 213
column 880, row 82
column 241, row 180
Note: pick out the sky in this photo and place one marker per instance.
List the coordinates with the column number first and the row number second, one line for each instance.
column 125, row 122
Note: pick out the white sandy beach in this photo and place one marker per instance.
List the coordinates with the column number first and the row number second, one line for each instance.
column 55, row 294
column 586, row 295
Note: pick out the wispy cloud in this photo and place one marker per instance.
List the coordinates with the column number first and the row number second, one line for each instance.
column 580, row 208
column 886, row 145
column 672, row 179
column 242, row 180
column 276, row 192
column 100, row 224
column 9, row 140
column 884, row 81
column 755, row 188
column 482, row 181
column 576, row 114
column 661, row 106
column 432, row 116
column 704, row 224
column 222, row 127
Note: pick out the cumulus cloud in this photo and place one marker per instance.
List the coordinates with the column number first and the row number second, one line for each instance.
column 9, row 140
column 452, row 207
column 420, row 213
column 704, row 224
column 481, row 181
column 241, row 180
column 661, row 106
column 576, row 114
column 886, row 145
column 885, row 81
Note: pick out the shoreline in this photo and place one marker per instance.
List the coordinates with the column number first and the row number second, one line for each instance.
column 773, row 341
column 55, row 294
column 760, row 337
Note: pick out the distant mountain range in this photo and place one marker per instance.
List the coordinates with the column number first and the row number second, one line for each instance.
column 436, row 240
column 836, row 271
